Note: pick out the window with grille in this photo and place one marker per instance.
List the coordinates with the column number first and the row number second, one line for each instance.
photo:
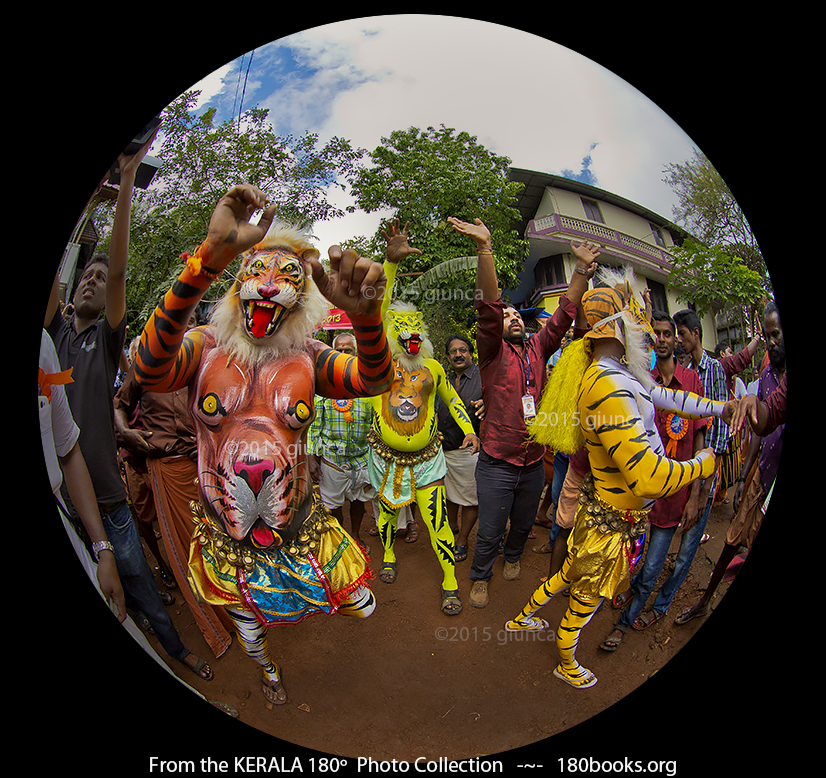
column 550, row 271
column 592, row 211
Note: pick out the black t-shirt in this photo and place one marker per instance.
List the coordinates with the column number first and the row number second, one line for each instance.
column 94, row 356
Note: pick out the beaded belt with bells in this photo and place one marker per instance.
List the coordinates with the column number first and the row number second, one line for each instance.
column 240, row 554
column 405, row 458
column 608, row 518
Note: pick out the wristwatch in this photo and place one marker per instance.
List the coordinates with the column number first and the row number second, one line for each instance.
column 101, row 545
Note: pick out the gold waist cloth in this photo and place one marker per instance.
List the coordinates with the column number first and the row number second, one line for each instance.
column 604, row 545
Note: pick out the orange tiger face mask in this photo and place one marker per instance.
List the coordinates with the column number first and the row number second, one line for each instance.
column 271, row 283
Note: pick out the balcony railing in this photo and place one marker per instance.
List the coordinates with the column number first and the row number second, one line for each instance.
column 633, row 248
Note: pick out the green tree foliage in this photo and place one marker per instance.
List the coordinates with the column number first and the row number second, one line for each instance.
column 200, row 161
column 709, row 210
column 709, row 276
column 423, row 177
column 722, row 267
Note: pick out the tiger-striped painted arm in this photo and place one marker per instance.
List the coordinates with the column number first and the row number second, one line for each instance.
column 168, row 355
column 341, row 376
column 685, row 404
column 623, row 461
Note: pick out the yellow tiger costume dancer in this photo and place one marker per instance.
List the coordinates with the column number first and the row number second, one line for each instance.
column 602, row 382
column 406, row 462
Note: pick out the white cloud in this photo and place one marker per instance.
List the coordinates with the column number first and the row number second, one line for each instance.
column 523, row 96
column 211, row 85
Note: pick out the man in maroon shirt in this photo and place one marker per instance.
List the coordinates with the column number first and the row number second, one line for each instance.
column 763, row 416
column 510, row 473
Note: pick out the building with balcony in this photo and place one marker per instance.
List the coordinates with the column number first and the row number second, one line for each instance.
column 557, row 210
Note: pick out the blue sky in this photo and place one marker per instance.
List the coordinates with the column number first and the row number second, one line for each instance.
column 542, row 105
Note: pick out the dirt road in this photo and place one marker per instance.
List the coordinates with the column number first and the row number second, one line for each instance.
column 411, row 682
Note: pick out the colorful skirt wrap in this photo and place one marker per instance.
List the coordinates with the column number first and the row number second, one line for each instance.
column 396, row 475
column 284, row 585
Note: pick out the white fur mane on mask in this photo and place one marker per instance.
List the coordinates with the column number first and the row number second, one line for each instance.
column 298, row 324
column 628, row 330
column 408, row 361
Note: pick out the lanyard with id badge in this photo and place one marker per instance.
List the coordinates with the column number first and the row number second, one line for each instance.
column 528, row 403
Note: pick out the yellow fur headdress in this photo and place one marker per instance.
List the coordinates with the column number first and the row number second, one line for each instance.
column 612, row 312
column 557, row 422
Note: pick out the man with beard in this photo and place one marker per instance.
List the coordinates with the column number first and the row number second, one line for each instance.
column 749, row 508
column 406, row 460
column 510, row 473
column 264, row 546
column 460, row 480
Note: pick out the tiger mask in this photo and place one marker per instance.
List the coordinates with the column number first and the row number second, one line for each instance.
column 405, row 407
column 407, row 335
column 274, row 305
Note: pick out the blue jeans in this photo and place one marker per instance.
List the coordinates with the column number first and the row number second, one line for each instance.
column 561, row 462
column 136, row 578
column 659, row 541
column 505, row 491
column 685, row 556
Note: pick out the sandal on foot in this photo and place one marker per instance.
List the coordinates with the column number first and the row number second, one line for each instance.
column 168, row 579
column 412, row 533
column 451, row 604
column 583, row 680
column 228, row 709
column 166, row 598
column 619, row 601
column 532, row 624
column 645, row 620
column 461, row 553
column 200, row 668
column 545, row 548
column 274, row 691
column 691, row 613
column 611, row 643
column 387, row 574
